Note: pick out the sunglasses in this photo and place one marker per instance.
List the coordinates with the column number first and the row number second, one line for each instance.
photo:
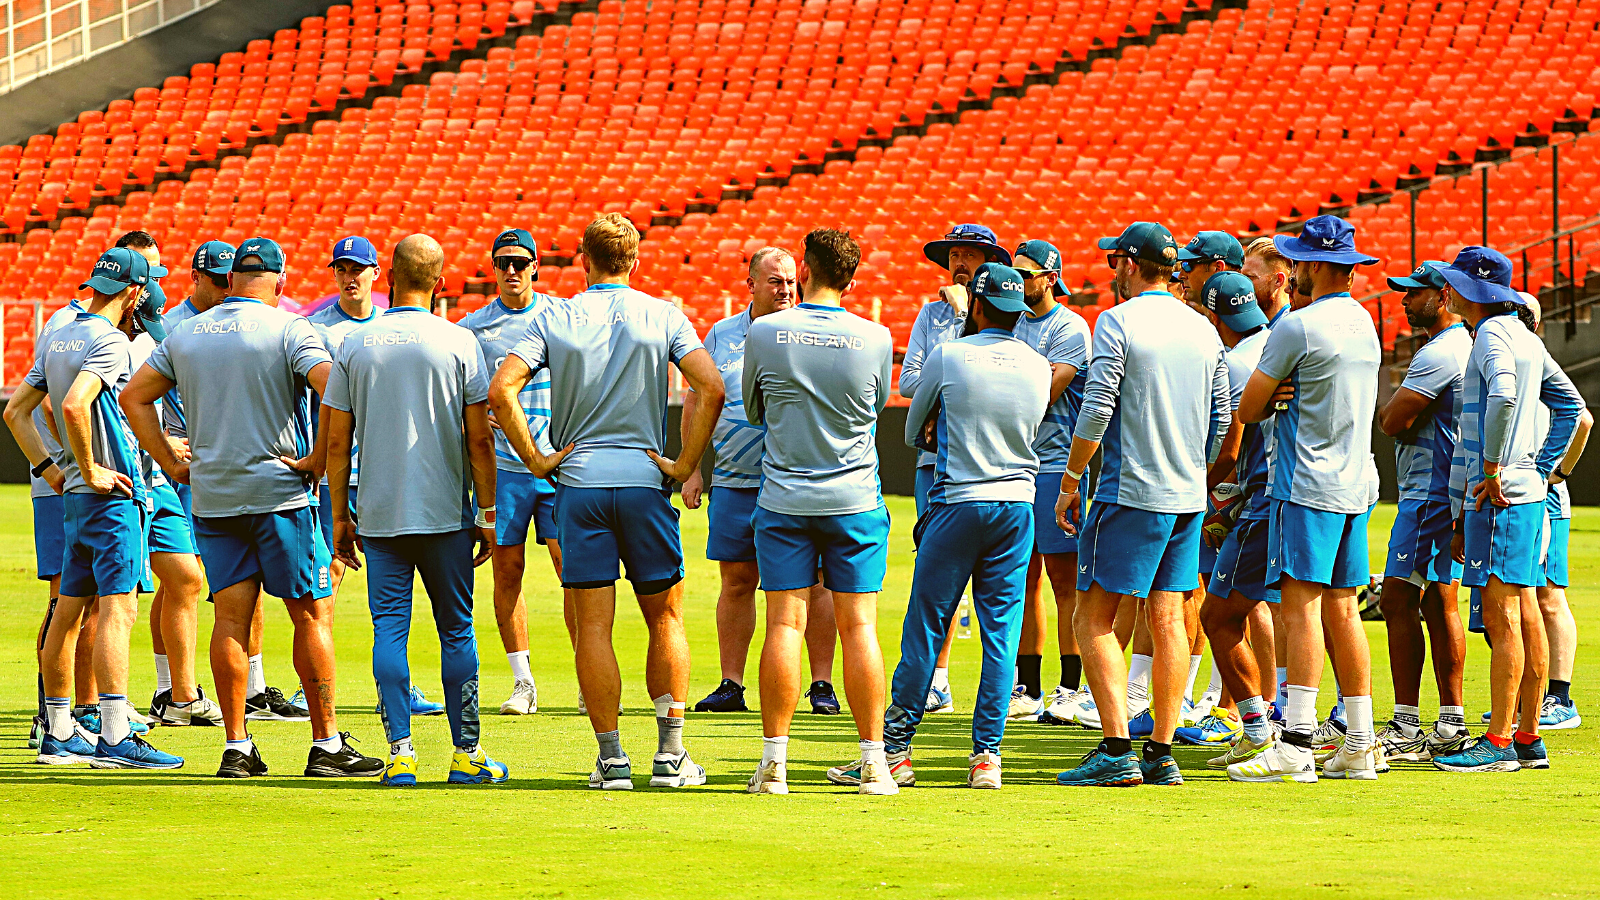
column 1031, row 274
column 1188, row 265
column 1111, row 258
column 512, row 263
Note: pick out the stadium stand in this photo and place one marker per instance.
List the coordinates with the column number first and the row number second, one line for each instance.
column 720, row 126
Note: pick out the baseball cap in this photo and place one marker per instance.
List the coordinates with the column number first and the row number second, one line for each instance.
column 264, row 249
column 1324, row 239
column 1001, row 286
column 1233, row 298
column 1214, row 245
column 515, row 237
column 116, row 269
column 147, row 315
column 1482, row 275
column 1047, row 256
column 1145, row 240
column 215, row 257
column 356, row 249
column 1428, row 275
column 967, row 235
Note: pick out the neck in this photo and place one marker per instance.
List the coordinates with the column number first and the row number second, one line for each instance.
column 595, row 278
column 515, row 301
column 1137, row 286
column 1275, row 305
column 358, row 307
column 1444, row 322
column 818, row 296
column 1043, row 307
column 412, row 299
column 1230, row 338
column 1321, row 289
column 204, row 301
column 111, row 309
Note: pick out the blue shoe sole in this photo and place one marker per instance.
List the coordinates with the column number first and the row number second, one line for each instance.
column 103, row 762
column 428, row 712
column 463, row 778
column 401, row 781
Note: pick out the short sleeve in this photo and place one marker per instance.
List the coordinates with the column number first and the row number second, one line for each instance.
column 35, row 376
column 306, row 350
column 1286, row 347
column 161, row 361
column 1070, row 346
column 532, row 349
column 681, row 339
column 477, row 371
column 337, row 395
column 1432, row 371
column 108, row 359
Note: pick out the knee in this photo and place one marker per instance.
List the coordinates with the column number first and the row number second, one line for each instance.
column 1397, row 606
column 390, row 668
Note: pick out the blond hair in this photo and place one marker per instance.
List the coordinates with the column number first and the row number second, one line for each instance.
column 611, row 243
column 1267, row 249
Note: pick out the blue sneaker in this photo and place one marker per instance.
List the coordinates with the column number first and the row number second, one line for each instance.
column 1487, row 716
column 74, row 749
column 728, row 697
column 1142, row 725
column 1164, row 771
column 939, row 701
column 1557, row 715
column 89, row 718
column 133, row 753
column 476, row 768
column 1532, row 756
column 422, row 706
column 1100, row 769
column 298, row 702
column 1480, row 756
column 1217, row 728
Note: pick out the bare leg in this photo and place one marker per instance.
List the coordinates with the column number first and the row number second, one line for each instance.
column 822, row 633
column 57, row 657
column 1447, row 640
column 1164, row 611
column 1502, row 619
column 949, row 640
column 118, row 612
column 864, row 684
column 1224, row 620
column 1062, row 569
column 314, row 660
column 177, row 619
column 86, row 686
column 1536, row 668
column 599, row 679
column 1352, row 658
column 510, row 610
column 736, row 616
column 1095, row 623
column 1126, row 623
column 1263, row 643
column 1402, row 618
column 569, row 613
column 1302, row 619
column 157, row 602
column 780, row 660
column 1035, row 616
column 1561, row 629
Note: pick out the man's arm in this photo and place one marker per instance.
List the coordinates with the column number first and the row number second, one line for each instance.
column 480, row 454
column 1222, row 468
column 19, row 418
column 78, row 415
column 1566, row 413
column 1061, row 375
column 916, row 351
column 927, row 396
column 138, row 402
column 1221, row 410
column 513, row 375
column 338, row 430
column 1580, row 437
column 700, row 370
column 1402, row 410
column 693, row 486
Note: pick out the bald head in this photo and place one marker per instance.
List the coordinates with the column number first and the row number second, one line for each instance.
column 414, row 272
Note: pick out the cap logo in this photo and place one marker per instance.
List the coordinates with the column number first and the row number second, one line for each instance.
column 224, row 254
column 1485, row 273
column 1011, row 285
column 1211, row 294
column 349, row 244
column 109, row 265
column 1329, row 242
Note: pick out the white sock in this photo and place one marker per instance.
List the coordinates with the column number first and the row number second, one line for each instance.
column 1301, row 714
column 401, row 747
column 58, row 713
column 1139, row 684
column 1452, row 721
column 246, row 746
column 873, row 751
column 1358, row 737
column 519, row 666
column 1214, row 689
column 1194, row 671
column 1408, row 719
column 330, row 744
column 775, row 749
column 163, row 673
column 258, row 677
column 941, row 679
column 113, row 718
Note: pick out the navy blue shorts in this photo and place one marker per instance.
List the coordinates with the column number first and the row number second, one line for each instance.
column 104, row 545
column 1419, row 544
column 854, row 550
column 169, row 523
column 1506, row 542
column 731, row 536
column 325, row 512
column 285, row 551
column 1134, row 551
column 1242, row 563
column 1317, row 546
column 1047, row 535
column 521, row 500
column 604, row 529
column 49, row 534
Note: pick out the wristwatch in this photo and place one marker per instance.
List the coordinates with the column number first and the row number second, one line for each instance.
column 39, row 470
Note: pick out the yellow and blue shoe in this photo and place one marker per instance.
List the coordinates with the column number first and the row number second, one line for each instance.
column 401, row 771
column 1142, row 725
column 475, row 767
column 1218, row 728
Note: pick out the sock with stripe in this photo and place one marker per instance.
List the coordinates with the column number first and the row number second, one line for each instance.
column 1194, row 672
column 163, row 673
column 1252, row 712
column 1359, row 734
column 1452, row 721
column 246, row 746
column 330, row 744
column 113, row 719
column 669, row 725
column 58, row 716
column 520, row 669
column 941, row 679
column 1408, row 719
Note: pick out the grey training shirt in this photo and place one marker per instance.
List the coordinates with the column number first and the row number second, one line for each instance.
column 817, row 377
column 90, row 343
column 333, row 324
column 936, row 323
column 407, row 378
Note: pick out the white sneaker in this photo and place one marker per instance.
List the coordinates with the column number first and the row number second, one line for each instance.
column 583, row 708
column 612, row 774
column 1088, row 715
column 669, row 771
column 203, row 711
column 1356, row 766
column 1203, row 706
column 524, row 700
column 983, row 771
column 1056, row 706
column 1280, row 762
column 770, row 778
column 1024, row 707
column 876, row 780
column 899, row 767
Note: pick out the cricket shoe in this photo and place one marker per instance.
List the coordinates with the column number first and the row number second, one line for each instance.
column 668, row 770
column 1355, row 765
column 523, row 701
column 899, row 769
column 132, row 753
column 1023, row 707
column 36, row 732
column 824, row 702
column 1163, row 771
column 269, row 706
column 158, row 704
column 138, row 718
column 401, row 771
column 877, row 780
column 1100, row 769
column 200, row 711
column 1480, row 756
column 1217, row 728
column 420, row 704
column 298, row 702
column 1240, row 751
column 1400, row 747
column 1532, row 755
column 1446, row 744
column 1556, row 715
column 1279, row 762
column 475, row 767
column 1187, row 713
column 1056, row 706
column 75, row 749
column 614, row 774
column 939, row 701
column 1204, row 707
column 346, row 762
column 1088, row 713
column 1329, row 735
column 983, row 771
column 240, row 765
column 728, row 697
column 771, row 777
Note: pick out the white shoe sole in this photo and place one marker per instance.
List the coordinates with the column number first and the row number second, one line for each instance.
column 616, row 784
column 513, row 709
column 1512, row 766
column 879, row 789
column 1295, row 777
column 269, row 716
column 1573, row 722
column 776, row 788
column 62, row 760
column 677, row 781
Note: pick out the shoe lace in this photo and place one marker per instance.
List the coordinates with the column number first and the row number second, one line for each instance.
column 274, row 696
column 1550, row 704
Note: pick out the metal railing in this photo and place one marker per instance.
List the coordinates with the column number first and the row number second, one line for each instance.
column 43, row 36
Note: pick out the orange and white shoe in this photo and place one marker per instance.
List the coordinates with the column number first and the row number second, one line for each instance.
column 983, row 771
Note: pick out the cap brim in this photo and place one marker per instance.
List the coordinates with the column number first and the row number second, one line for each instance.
column 154, row 326
column 218, row 270
column 158, row 271
column 1007, row 304
column 1242, row 322
column 1108, row 243
column 102, row 284
column 1481, row 291
column 1060, row 289
column 1291, row 248
column 1185, row 254
column 354, row 259
column 1406, row 284
column 938, row 252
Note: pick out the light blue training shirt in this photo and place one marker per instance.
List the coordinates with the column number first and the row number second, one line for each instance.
column 608, row 350
column 1252, row 467
column 172, row 404
column 332, row 324
column 936, row 323
column 1157, row 400
column 1422, row 459
column 498, row 328
column 38, row 487
column 90, row 343
column 1321, row 447
column 408, row 378
column 738, row 444
column 991, row 390
column 241, row 367
column 817, row 377
column 1061, row 336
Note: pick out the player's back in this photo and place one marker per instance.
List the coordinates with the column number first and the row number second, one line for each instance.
column 817, row 377
column 172, row 418
column 1060, row 336
column 992, row 394
column 1252, row 468
column 738, row 444
column 609, row 352
column 1509, row 364
column 89, row 343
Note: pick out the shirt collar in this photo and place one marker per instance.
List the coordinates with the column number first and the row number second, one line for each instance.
column 998, row 332
column 821, row 307
column 1331, row 296
column 1154, row 292
column 603, row 286
column 240, row 300
column 1033, row 318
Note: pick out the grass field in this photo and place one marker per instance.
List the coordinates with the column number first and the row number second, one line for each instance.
column 1416, row 832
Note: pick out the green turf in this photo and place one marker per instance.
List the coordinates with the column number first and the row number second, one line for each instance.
column 1417, row 832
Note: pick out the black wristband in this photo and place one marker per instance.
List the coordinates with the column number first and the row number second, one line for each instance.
column 39, row 470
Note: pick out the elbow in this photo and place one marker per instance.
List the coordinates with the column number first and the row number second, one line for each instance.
column 1390, row 426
